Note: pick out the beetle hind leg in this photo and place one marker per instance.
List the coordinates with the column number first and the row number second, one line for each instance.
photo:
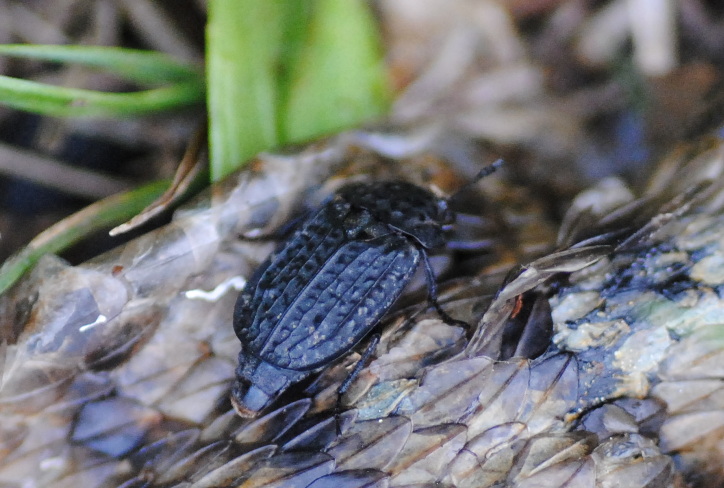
column 363, row 360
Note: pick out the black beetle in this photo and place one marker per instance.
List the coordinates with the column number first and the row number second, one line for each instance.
column 331, row 282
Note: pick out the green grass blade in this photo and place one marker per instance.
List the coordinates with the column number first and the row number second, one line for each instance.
column 74, row 102
column 102, row 214
column 130, row 64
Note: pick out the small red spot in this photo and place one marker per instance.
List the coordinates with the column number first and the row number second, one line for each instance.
column 205, row 349
column 116, row 270
column 517, row 307
column 256, row 165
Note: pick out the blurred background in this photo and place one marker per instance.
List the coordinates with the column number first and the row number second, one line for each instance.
column 569, row 91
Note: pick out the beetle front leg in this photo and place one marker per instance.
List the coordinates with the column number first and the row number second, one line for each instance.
column 432, row 295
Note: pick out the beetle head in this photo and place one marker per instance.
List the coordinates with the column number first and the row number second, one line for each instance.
column 412, row 210
column 258, row 383
column 247, row 399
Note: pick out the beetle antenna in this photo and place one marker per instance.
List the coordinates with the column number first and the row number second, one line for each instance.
column 486, row 171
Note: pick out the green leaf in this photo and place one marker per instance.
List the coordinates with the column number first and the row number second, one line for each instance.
column 284, row 71
column 338, row 79
column 243, row 41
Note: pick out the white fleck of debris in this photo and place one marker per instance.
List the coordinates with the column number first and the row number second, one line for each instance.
column 709, row 270
column 101, row 319
column 236, row 282
column 53, row 463
column 643, row 351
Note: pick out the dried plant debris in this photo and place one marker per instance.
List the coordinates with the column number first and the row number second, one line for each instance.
column 117, row 372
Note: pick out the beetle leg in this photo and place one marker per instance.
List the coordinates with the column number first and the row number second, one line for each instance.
column 470, row 246
column 432, row 295
column 374, row 340
column 478, row 222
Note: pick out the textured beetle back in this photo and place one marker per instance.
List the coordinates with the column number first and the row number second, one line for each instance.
column 416, row 212
column 279, row 281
